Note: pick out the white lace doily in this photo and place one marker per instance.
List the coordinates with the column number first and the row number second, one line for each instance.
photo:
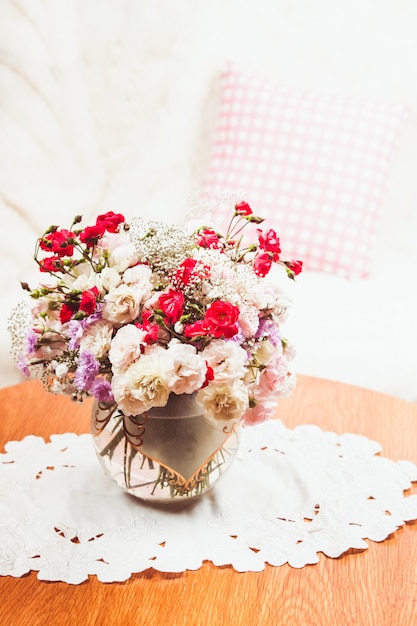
column 289, row 495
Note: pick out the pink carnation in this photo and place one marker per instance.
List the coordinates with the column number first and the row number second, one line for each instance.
column 259, row 413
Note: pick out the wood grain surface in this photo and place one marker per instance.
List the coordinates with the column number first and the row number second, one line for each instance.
column 374, row 587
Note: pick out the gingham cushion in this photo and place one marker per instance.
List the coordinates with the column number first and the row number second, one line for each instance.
column 314, row 165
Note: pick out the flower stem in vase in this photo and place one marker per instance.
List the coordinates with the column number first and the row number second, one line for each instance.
column 111, row 446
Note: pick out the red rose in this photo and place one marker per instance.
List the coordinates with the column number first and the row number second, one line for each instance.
column 185, row 271
column 110, row 221
column 51, row 264
column 243, row 208
column 269, row 241
column 60, row 242
column 208, row 238
column 221, row 318
column 191, row 269
column 91, row 234
column 150, row 329
column 209, row 376
column 197, row 329
column 262, row 264
column 172, row 305
column 295, row 267
column 66, row 313
column 88, row 300
column 219, row 321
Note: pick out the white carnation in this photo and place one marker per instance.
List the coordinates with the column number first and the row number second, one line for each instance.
column 97, row 338
column 248, row 319
column 264, row 352
column 139, row 275
column 140, row 278
column 84, row 282
column 186, row 369
column 121, row 305
column 108, row 279
column 227, row 359
column 126, row 346
column 143, row 384
column 224, row 403
column 123, row 256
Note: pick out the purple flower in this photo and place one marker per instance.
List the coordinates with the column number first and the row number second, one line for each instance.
column 23, row 366
column 78, row 327
column 30, row 341
column 91, row 319
column 239, row 338
column 75, row 332
column 87, row 370
column 268, row 329
column 102, row 391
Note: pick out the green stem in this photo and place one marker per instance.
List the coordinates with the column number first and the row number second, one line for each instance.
column 110, row 447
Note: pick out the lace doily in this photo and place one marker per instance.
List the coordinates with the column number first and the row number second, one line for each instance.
column 289, row 495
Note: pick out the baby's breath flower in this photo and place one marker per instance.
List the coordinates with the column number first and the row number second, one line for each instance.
column 160, row 245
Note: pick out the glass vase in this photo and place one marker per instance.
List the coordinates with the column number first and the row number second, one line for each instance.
column 166, row 455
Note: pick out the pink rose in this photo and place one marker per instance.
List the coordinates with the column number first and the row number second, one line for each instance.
column 261, row 412
column 273, row 376
column 275, row 379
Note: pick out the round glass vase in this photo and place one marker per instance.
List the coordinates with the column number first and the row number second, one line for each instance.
column 171, row 454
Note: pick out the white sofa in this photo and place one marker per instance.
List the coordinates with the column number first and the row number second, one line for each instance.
column 112, row 105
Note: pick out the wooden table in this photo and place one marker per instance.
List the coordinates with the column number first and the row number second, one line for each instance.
column 375, row 587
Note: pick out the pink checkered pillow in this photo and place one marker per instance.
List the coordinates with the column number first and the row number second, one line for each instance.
column 314, row 166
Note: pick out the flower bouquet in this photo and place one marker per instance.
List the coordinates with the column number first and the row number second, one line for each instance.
column 142, row 316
